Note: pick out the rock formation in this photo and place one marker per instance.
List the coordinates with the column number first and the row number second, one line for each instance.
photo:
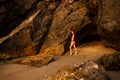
column 29, row 27
column 88, row 70
column 109, row 27
column 47, row 32
column 110, row 62
column 42, row 26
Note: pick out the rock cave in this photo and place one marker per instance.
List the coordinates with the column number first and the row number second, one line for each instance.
column 35, row 39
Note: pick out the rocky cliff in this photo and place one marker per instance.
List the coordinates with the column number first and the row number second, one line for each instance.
column 30, row 27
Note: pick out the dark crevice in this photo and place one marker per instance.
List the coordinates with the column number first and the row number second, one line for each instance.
column 39, row 26
column 86, row 33
column 89, row 38
column 67, row 44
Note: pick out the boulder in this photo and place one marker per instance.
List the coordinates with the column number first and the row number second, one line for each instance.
column 110, row 62
column 88, row 70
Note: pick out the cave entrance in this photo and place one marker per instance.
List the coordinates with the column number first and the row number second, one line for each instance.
column 84, row 35
column 87, row 34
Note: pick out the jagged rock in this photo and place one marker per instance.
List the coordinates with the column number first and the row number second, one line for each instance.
column 88, row 70
column 111, row 61
column 69, row 15
column 46, row 32
column 16, row 45
column 26, row 38
column 12, row 13
column 109, row 19
column 16, row 17
column 18, row 42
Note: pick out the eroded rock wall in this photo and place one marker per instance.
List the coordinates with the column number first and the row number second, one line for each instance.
column 109, row 19
column 42, row 26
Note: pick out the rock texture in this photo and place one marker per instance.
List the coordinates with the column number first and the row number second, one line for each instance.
column 42, row 26
column 88, row 70
column 68, row 15
column 12, row 13
column 109, row 28
column 110, row 62
column 18, row 42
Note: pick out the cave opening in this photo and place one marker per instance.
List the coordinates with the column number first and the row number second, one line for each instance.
column 87, row 34
column 87, row 39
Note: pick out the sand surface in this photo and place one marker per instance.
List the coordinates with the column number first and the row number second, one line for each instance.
column 91, row 51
